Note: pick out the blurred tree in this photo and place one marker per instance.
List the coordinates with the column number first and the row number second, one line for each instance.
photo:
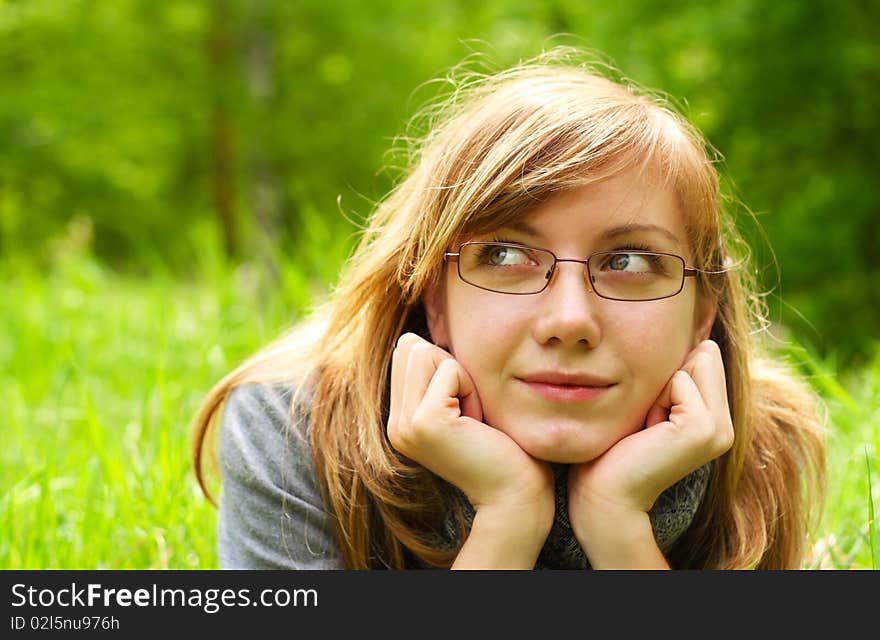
column 221, row 53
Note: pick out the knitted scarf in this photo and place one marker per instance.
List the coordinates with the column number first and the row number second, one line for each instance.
column 670, row 516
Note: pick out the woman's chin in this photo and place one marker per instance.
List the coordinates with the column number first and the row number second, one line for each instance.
column 559, row 438
column 562, row 446
column 562, row 457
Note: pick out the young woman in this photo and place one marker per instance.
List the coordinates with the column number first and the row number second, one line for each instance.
column 541, row 355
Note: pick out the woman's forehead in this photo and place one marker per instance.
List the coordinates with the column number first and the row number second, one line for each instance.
column 624, row 205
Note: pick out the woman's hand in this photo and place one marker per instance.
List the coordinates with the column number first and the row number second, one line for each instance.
column 435, row 419
column 688, row 425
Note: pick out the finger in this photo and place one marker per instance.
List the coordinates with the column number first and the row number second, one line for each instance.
column 697, row 359
column 679, row 397
column 660, row 409
column 712, row 432
column 398, row 375
column 706, row 368
column 421, row 364
column 658, row 412
column 452, row 381
column 685, row 397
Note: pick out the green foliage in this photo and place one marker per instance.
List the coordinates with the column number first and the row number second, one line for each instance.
column 266, row 125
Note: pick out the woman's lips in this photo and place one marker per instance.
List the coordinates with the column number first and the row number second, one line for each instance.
column 566, row 392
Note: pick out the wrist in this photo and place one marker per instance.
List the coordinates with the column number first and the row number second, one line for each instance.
column 533, row 515
column 534, row 504
column 615, row 537
column 506, row 535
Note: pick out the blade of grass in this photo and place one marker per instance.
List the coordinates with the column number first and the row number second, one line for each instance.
column 870, row 513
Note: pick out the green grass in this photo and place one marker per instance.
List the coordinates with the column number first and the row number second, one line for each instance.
column 847, row 536
column 101, row 377
column 102, row 374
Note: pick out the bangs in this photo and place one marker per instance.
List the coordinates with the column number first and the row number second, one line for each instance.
column 577, row 151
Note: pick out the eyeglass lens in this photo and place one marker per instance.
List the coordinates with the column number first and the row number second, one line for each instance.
column 619, row 275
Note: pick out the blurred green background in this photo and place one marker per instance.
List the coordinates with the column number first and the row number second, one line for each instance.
column 157, row 127
column 178, row 180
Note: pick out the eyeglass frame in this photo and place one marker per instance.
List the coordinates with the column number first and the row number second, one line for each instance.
column 687, row 272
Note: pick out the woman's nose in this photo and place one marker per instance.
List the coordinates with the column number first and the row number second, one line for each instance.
column 569, row 312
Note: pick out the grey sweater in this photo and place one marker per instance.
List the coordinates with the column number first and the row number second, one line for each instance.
column 271, row 515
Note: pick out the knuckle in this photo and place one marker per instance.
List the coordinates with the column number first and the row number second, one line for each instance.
column 705, row 437
column 403, row 441
column 407, row 339
column 420, row 346
column 420, row 351
column 419, row 425
column 712, row 351
column 702, row 358
column 702, row 432
column 716, row 438
column 725, row 438
column 711, row 347
column 395, row 433
column 447, row 364
column 405, row 432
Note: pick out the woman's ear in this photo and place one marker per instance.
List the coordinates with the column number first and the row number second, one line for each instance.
column 704, row 319
column 434, row 301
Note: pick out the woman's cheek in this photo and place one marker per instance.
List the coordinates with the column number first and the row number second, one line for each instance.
column 658, row 345
column 665, row 325
column 485, row 326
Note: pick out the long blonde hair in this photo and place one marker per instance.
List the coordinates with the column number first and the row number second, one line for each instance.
column 497, row 146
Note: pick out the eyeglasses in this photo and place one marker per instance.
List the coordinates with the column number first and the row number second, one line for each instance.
column 516, row 269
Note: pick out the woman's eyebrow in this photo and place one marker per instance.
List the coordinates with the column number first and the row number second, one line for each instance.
column 614, row 232
column 524, row 227
column 625, row 229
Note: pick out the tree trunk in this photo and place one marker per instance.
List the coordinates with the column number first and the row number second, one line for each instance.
column 263, row 190
column 221, row 54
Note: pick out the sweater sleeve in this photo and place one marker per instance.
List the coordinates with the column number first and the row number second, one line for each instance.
column 271, row 515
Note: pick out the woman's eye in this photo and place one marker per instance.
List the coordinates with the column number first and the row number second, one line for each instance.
column 630, row 262
column 502, row 256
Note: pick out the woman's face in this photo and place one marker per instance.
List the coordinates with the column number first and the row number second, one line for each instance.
column 620, row 354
